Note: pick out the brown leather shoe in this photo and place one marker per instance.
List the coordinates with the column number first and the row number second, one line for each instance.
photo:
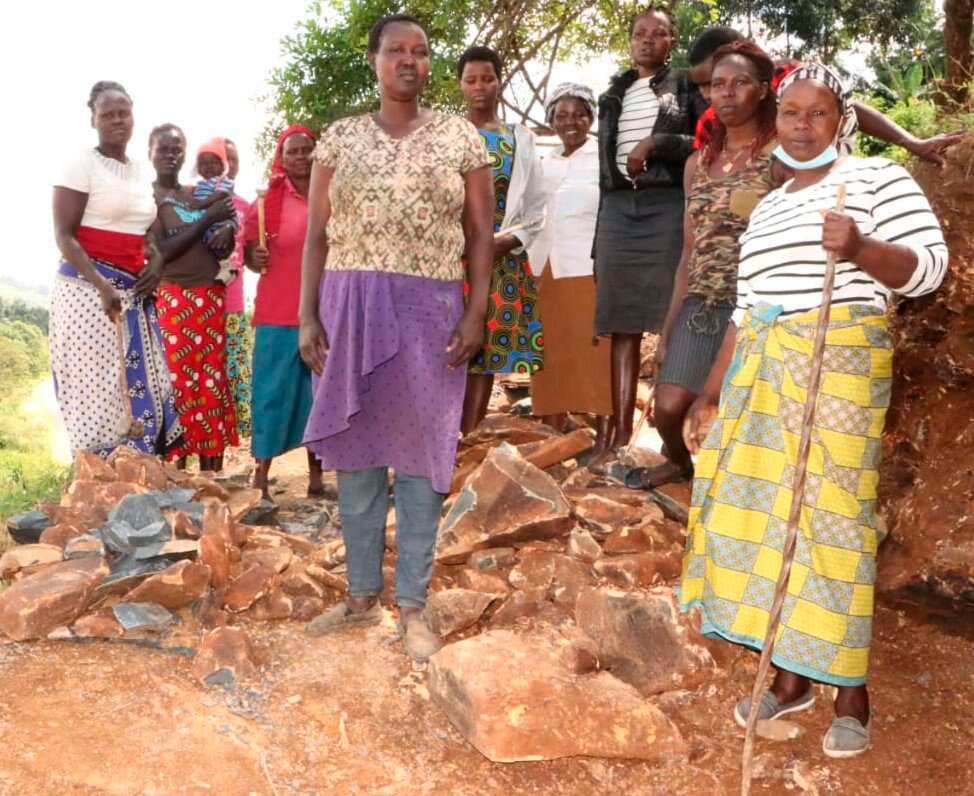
column 421, row 642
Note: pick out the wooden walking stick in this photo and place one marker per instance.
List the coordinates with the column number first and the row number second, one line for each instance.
column 261, row 222
column 797, row 498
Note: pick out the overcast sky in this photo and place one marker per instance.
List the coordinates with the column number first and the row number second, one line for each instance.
column 199, row 64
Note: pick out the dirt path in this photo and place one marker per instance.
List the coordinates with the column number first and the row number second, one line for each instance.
column 349, row 715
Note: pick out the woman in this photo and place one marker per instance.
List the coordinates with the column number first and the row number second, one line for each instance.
column 577, row 368
column 106, row 354
column 398, row 197
column 646, row 125
column 723, row 182
column 888, row 242
column 238, row 336
column 190, row 303
column 281, row 385
column 513, row 341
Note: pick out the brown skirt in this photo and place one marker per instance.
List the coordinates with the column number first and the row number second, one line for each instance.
column 577, row 369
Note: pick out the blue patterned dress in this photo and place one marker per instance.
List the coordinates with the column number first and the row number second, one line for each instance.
column 513, row 341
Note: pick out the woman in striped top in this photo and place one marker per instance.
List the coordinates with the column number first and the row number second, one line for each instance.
column 646, row 124
column 888, row 242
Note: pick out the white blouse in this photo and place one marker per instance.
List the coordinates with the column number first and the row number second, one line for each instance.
column 782, row 259
column 120, row 197
column 572, row 190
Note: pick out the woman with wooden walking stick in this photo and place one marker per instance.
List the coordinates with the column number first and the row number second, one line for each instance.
column 274, row 233
column 887, row 241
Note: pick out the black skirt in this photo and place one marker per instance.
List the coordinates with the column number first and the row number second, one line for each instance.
column 638, row 244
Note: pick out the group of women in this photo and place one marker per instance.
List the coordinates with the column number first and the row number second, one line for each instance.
column 423, row 242
column 149, row 343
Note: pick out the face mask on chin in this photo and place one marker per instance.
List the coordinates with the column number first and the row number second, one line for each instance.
column 828, row 155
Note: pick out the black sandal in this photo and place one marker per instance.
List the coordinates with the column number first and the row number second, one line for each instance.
column 646, row 478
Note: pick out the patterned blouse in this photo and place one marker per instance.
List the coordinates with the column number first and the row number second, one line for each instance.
column 397, row 203
column 719, row 209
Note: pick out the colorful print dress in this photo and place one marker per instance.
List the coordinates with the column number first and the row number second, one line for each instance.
column 513, row 341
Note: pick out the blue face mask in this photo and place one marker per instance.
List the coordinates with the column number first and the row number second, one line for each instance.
column 828, row 155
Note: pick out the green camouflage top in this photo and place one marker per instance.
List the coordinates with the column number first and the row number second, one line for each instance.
column 719, row 209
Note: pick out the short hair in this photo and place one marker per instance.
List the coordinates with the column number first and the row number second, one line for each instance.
column 653, row 9
column 377, row 29
column 101, row 87
column 708, row 42
column 480, row 53
column 161, row 129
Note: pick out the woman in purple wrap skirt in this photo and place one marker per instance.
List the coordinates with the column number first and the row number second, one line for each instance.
column 398, row 198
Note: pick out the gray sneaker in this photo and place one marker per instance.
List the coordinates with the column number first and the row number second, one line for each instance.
column 846, row 737
column 340, row 616
column 770, row 708
column 421, row 642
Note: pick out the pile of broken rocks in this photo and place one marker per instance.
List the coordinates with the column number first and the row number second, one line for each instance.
column 550, row 587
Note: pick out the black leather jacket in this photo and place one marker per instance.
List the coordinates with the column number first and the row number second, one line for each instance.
column 680, row 104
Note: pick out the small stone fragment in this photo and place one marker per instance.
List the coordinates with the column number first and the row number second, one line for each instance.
column 603, row 515
column 307, row 608
column 242, row 502
column 28, row 555
column 487, row 582
column 248, row 587
column 455, row 609
column 100, row 624
column 139, row 511
column 225, row 656
column 779, row 730
column 51, row 597
column 493, row 558
column 27, row 528
column 506, row 500
column 60, row 534
column 327, row 578
column 276, row 558
column 276, row 605
column 175, row 587
column 629, row 540
column 261, row 514
column 213, row 552
column 89, row 466
column 640, row 570
column 583, row 546
column 84, row 546
column 559, row 576
column 142, row 617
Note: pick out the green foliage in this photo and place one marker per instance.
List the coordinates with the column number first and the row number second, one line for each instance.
column 827, row 26
column 18, row 310
column 919, row 116
column 28, row 474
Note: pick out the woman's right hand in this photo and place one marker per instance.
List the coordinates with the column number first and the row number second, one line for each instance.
column 260, row 258
column 313, row 345
column 111, row 301
column 698, row 421
column 220, row 210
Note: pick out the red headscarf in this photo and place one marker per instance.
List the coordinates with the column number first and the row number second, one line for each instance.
column 277, row 185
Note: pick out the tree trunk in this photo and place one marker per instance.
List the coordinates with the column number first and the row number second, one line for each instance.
column 957, row 41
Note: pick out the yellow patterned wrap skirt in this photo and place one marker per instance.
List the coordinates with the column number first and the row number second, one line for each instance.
column 743, row 488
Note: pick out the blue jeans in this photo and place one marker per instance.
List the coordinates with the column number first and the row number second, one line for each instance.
column 363, row 502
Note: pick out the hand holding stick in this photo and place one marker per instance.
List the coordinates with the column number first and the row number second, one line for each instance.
column 261, row 222
column 797, row 499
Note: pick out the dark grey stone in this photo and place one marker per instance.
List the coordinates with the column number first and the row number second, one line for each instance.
column 261, row 514
column 137, row 510
column 27, row 528
column 129, row 568
column 172, row 498
column 192, row 510
column 142, row 616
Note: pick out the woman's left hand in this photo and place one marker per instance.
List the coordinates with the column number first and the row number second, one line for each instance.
column 840, row 234
column 223, row 238
column 467, row 339
column 505, row 244
column 636, row 162
column 151, row 273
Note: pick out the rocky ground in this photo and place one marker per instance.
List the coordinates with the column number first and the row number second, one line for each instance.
column 549, row 653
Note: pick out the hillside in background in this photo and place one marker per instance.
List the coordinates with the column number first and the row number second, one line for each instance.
column 31, row 294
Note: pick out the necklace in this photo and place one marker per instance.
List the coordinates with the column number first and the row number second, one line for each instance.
column 733, row 158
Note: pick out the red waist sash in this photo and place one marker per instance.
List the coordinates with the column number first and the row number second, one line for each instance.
column 121, row 249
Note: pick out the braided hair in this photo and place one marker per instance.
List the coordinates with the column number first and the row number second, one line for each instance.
column 654, row 8
column 101, row 87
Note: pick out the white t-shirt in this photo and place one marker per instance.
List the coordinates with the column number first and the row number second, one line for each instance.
column 782, row 259
column 640, row 107
column 120, row 195
column 571, row 186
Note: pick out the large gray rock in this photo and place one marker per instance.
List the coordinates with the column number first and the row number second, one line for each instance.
column 515, row 697
column 505, row 500
column 137, row 510
column 643, row 639
column 27, row 528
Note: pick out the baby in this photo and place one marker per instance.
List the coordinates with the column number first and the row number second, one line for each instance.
column 214, row 184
